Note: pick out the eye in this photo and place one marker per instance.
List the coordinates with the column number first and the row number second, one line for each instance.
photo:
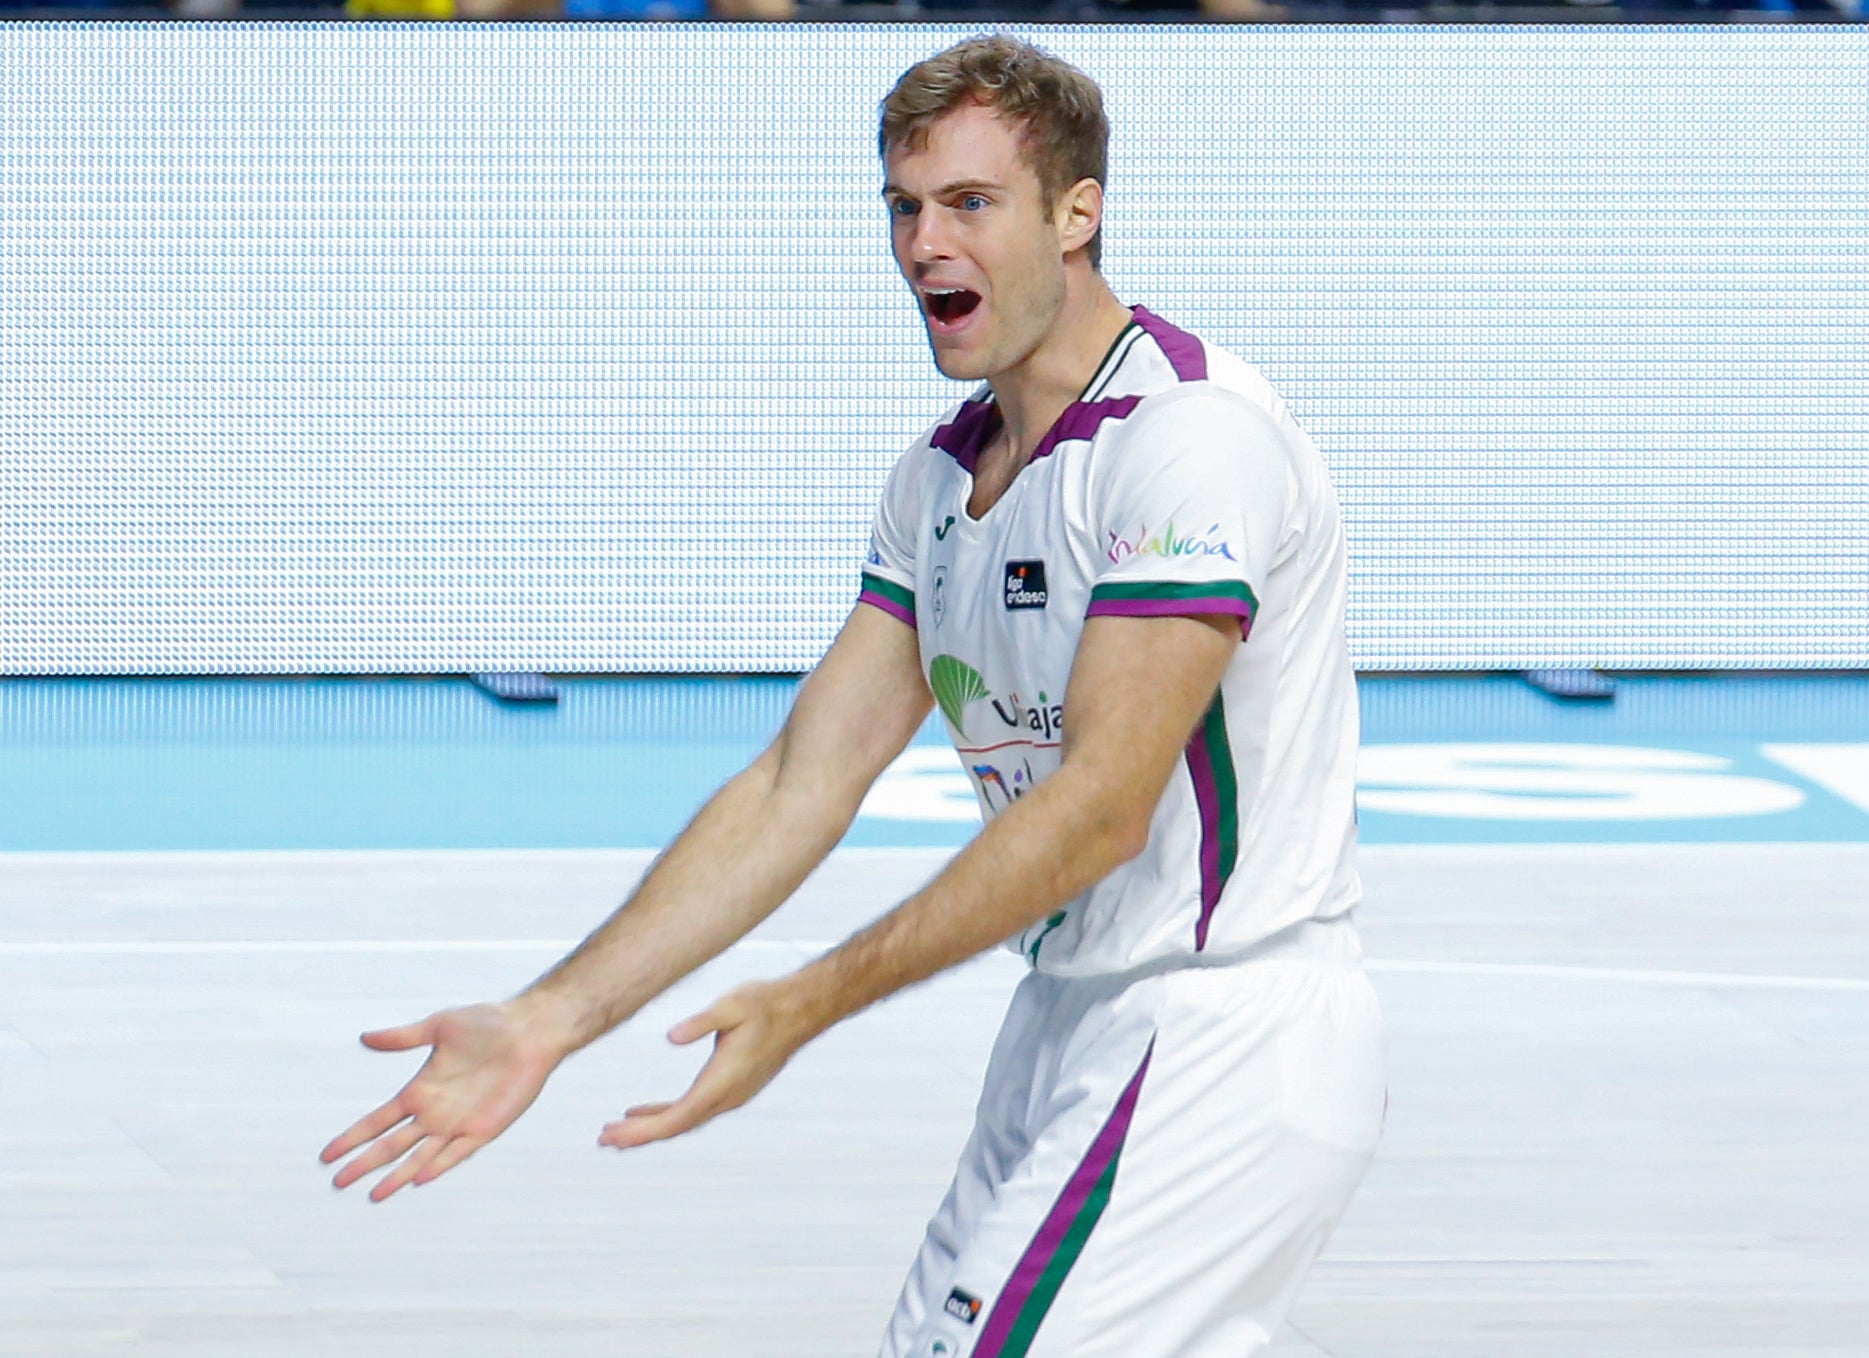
column 973, row 202
column 902, row 207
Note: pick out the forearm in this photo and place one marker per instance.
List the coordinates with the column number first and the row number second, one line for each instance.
column 745, row 853
column 1046, row 849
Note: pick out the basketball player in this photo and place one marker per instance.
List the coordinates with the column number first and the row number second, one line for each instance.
column 1119, row 571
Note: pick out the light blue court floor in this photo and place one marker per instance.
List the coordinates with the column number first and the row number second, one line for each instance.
column 119, row 764
column 1623, row 954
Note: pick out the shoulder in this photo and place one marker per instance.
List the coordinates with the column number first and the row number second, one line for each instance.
column 1173, row 358
column 1173, row 370
column 1182, row 384
column 1200, row 442
column 1203, row 416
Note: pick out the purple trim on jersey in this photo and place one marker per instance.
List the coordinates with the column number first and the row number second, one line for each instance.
column 1030, row 1269
column 968, row 432
column 1173, row 608
column 963, row 437
column 889, row 606
column 1082, row 419
column 1207, row 797
column 1185, row 354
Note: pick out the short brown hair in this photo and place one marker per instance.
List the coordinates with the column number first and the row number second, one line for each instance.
column 1066, row 137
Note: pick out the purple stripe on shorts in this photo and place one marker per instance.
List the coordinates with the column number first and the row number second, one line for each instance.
column 1185, row 354
column 1172, row 608
column 1038, row 1255
column 963, row 437
column 889, row 606
column 1207, row 797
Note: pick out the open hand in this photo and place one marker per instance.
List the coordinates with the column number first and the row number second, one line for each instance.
column 485, row 1068
column 756, row 1032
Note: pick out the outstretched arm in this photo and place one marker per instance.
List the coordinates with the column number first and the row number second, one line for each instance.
column 750, row 847
column 758, row 838
column 1138, row 688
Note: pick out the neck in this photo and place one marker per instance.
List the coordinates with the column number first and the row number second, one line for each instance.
column 1032, row 395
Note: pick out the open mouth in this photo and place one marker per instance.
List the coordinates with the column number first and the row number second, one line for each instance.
column 948, row 305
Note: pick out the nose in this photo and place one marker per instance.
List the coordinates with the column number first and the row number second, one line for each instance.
column 929, row 238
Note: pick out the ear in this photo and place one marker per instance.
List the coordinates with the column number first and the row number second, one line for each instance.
column 1078, row 214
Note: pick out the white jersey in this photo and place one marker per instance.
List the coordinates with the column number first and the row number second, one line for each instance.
column 1177, row 484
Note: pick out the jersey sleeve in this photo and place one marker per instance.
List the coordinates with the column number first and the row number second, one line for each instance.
column 889, row 568
column 1191, row 510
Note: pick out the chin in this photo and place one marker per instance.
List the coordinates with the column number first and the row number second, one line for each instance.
column 962, row 370
column 961, row 367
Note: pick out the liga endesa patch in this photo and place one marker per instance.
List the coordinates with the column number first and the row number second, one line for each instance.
column 1025, row 584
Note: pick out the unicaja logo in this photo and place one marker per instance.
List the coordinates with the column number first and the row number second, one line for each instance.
column 955, row 684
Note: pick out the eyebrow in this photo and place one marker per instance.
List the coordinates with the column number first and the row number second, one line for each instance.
column 953, row 186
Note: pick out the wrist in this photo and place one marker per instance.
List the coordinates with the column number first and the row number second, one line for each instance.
column 555, row 1022
column 806, row 1001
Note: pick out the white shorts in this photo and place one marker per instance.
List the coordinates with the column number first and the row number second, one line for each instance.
column 1157, row 1159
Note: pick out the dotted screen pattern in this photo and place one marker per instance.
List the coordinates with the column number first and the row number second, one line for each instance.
column 338, row 348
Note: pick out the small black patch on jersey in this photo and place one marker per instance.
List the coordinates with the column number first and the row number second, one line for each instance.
column 962, row 1306
column 1025, row 584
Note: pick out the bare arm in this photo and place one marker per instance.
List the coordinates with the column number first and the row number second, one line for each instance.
column 742, row 856
column 1138, row 688
column 755, row 841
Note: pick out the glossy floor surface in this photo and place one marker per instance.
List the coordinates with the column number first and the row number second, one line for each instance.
column 1630, row 1115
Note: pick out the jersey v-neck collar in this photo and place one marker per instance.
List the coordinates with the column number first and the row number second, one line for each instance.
column 966, row 436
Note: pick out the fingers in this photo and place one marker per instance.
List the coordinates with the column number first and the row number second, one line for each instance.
column 375, row 1123
column 417, row 1160
column 668, row 1120
column 694, row 1029
column 432, row 1157
column 725, row 1014
column 476, row 1076
column 385, row 1150
column 748, row 1052
column 450, row 1155
column 421, row 1034
column 366, row 1128
column 710, row 1095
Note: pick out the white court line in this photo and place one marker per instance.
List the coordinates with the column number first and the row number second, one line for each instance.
column 1404, row 966
column 932, row 855
column 242, row 946
column 1728, row 979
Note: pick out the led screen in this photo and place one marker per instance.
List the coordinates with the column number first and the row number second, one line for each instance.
column 421, row 348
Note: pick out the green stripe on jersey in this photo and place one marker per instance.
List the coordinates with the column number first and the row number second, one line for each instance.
column 1226, row 785
column 890, row 590
column 1056, row 919
column 1118, row 590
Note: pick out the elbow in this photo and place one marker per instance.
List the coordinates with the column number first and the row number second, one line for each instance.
column 1108, row 827
column 1120, row 839
column 1134, row 840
